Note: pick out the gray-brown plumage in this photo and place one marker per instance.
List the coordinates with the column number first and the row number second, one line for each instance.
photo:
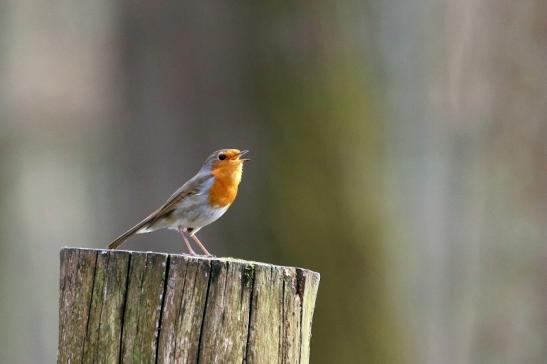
column 200, row 201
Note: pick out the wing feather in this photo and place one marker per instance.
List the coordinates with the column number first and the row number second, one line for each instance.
column 193, row 186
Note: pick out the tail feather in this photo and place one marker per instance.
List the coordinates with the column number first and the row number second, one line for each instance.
column 134, row 230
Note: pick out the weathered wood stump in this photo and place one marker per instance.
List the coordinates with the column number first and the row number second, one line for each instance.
column 137, row 307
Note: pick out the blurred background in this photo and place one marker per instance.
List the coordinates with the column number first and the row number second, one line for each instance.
column 399, row 148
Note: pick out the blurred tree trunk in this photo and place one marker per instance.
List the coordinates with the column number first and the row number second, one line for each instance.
column 323, row 166
column 469, row 106
column 493, row 99
column 56, row 100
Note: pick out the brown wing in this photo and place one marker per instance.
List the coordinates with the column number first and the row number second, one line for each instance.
column 191, row 187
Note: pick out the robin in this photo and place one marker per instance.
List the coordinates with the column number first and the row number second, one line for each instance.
column 200, row 201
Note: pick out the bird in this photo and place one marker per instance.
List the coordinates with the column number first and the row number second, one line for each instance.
column 200, row 201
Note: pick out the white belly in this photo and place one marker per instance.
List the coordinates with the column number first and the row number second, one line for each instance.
column 193, row 212
column 196, row 217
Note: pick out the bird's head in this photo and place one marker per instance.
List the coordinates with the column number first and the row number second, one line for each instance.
column 227, row 160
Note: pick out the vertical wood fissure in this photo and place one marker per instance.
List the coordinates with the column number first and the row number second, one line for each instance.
column 251, row 307
column 200, row 343
column 177, row 323
column 225, row 283
column 281, row 313
column 105, row 280
column 122, row 315
column 137, row 346
column 282, row 332
column 124, row 302
column 300, row 291
column 163, row 295
column 76, row 278
column 122, row 328
column 89, row 305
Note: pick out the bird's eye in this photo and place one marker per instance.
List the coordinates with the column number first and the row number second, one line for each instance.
column 222, row 156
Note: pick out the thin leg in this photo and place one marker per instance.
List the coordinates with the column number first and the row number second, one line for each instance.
column 193, row 236
column 192, row 252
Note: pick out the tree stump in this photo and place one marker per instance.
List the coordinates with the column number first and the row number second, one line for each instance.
column 142, row 307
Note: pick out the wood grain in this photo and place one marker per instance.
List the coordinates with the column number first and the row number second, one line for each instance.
column 136, row 307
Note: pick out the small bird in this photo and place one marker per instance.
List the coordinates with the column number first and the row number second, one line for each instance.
column 200, row 201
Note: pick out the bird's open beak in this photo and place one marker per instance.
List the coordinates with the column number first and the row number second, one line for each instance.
column 243, row 152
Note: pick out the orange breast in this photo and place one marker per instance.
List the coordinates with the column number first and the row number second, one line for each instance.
column 224, row 190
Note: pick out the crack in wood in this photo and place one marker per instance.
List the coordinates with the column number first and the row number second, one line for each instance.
column 204, row 312
column 249, row 317
column 163, row 296
column 123, row 308
column 89, row 305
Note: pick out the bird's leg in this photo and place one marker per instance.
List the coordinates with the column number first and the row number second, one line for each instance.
column 193, row 236
column 183, row 234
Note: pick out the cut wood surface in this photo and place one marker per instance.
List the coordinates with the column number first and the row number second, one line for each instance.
column 143, row 307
